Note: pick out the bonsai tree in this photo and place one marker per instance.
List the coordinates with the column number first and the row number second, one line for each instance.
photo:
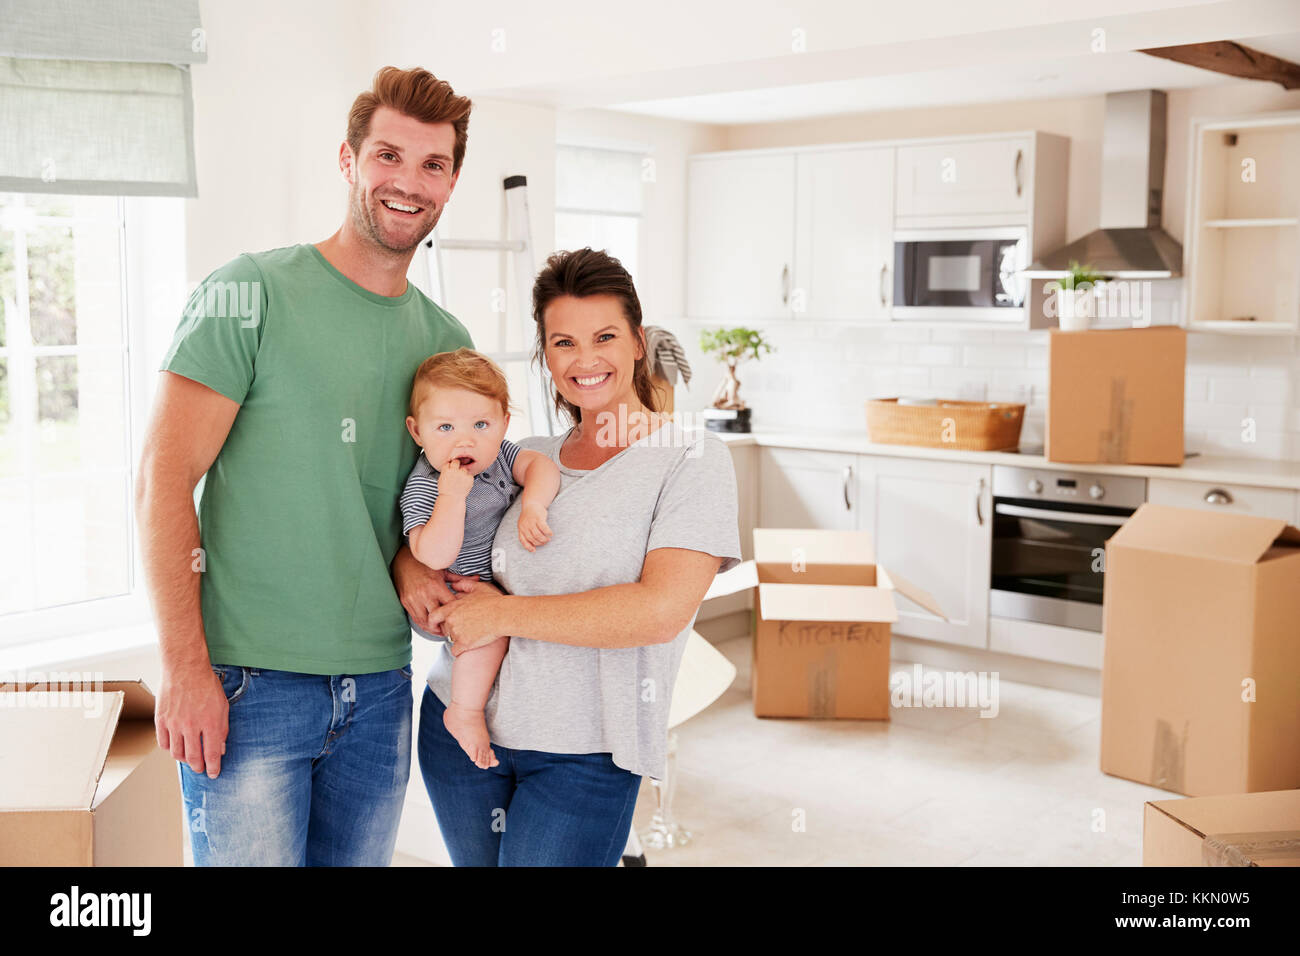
column 731, row 347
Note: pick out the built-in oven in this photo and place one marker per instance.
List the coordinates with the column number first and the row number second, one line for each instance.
column 960, row 274
column 1049, row 538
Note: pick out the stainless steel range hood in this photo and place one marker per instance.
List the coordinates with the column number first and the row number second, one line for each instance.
column 1130, row 243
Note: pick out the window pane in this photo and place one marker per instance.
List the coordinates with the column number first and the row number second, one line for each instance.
column 9, row 458
column 617, row 235
column 17, row 581
column 603, row 179
column 59, row 448
column 51, row 285
column 8, row 286
column 522, row 424
column 86, row 558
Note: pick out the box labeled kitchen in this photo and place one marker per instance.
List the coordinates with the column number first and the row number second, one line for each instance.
column 1116, row 395
column 823, row 610
column 1240, row 829
column 1201, row 652
column 85, row 782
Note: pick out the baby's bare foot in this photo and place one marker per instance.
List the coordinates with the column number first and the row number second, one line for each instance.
column 469, row 728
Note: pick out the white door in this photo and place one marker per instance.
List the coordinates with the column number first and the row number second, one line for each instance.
column 964, row 178
column 933, row 525
column 844, row 224
column 740, row 237
column 807, row 489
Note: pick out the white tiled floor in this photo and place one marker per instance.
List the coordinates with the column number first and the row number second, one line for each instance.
column 931, row 787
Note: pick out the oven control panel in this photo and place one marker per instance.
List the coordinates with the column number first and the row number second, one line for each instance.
column 1119, row 491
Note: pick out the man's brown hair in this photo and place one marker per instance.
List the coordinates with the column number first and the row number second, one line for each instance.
column 416, row 93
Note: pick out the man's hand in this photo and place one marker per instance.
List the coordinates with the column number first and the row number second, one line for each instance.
column 192, row 716
column 533, row 529
column 454, row 479
column 419, row 587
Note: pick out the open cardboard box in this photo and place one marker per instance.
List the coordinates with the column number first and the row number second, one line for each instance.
column 1243, row 829
column 1201, row 629
column 84, row 782
column 823, row 610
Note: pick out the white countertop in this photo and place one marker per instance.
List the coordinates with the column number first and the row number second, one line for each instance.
column 1211, row 468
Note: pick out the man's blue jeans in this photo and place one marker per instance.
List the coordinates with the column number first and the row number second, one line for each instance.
column 532, row 809
column 314, row 773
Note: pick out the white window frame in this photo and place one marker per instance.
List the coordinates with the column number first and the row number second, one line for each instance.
column 149, row 300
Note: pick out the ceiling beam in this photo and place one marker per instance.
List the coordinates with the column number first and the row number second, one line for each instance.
column 1225, row 56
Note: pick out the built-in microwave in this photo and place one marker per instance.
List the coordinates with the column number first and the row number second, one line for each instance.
column 960, row 274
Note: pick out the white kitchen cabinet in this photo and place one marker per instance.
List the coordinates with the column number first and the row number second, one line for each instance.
column 745, row 460
column 807, row 489
column 844, row 223
column 932, row 523
column 740, row 236
column 1232, row 499
column 965, row 177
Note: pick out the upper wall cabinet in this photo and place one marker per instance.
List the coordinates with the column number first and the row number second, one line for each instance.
column 808, row 233
column 779, row 235
column 961, row 178
column 740, row 236
column 844, row 217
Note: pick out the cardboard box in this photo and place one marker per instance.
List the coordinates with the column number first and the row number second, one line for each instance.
column 1116, row 395
column 1244, row 829
column 823, row 610
column 1201, row 669
column 84, row 782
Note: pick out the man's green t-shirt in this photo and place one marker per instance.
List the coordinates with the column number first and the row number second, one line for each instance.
column 299, row 515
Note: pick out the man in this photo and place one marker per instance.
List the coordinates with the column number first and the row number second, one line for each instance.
column 286, row 689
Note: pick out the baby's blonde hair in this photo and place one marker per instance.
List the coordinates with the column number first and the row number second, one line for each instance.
column 463, row 368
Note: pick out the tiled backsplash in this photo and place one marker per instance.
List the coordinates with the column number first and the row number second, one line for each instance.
column 820, row 374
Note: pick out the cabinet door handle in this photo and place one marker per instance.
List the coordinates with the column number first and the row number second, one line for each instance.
column 884, row 271
column 1218, row 496
column 785, row 285
column 848, row 475
column 1020, row 186
column 979, row 504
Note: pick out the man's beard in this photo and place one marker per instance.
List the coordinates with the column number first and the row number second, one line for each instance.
column 364, row 220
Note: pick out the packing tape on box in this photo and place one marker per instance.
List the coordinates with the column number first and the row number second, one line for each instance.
column 1113, row 442
column 1251, row 848
column 822, row 690
column 1169, row 757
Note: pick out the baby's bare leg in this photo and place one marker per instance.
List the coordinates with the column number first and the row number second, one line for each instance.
column 472, row 674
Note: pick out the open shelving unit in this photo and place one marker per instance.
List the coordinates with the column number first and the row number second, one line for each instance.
column 1243, row 236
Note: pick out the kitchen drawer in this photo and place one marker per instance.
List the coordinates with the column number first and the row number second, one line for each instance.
column 1237, row 499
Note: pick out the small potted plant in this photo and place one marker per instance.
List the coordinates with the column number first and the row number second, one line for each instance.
column 1076, row 297
column 731, row 347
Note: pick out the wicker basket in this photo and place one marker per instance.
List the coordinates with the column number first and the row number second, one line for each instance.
column 969, row 426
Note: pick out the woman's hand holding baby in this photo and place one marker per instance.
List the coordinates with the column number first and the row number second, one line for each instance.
column 533, row 529
column 470, row 621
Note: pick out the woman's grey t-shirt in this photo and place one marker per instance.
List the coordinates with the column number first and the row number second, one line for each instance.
column 675, row 488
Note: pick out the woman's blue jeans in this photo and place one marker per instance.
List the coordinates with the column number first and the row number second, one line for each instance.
column 532, row 809
column 314, row 774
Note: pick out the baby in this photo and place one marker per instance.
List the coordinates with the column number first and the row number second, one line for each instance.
column 465, row 479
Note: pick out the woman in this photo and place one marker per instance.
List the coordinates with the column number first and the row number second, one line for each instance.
column 645, row 517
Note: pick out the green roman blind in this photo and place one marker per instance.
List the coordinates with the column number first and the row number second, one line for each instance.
column 95, row 96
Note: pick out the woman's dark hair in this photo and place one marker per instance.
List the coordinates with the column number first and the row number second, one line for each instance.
column 582, row 273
